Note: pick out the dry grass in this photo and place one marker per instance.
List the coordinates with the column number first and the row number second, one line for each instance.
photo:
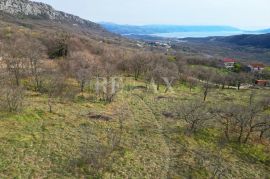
column 38, row 144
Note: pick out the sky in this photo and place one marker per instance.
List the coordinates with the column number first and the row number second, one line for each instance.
column 245, row 14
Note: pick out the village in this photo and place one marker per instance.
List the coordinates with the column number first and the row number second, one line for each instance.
column 255, row 68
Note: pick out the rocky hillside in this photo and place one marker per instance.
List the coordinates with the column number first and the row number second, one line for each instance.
column 24, row 17
column 26, row 8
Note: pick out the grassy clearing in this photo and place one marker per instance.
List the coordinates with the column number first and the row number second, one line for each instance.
column 38, row 144
column 200, row 155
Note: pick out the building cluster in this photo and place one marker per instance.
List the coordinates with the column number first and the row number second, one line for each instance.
column 230, row 63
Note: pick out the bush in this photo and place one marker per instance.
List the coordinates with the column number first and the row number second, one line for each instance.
column 11, row 98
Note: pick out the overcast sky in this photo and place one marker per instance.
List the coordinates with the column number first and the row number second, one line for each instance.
column 248, row 14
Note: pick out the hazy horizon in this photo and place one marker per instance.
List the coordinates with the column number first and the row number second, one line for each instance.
column 243, row 14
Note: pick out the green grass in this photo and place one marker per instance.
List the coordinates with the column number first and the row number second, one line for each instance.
column 37, row 144
column 253, row 153
column 208, row 141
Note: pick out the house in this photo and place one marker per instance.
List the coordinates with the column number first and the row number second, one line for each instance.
column 256, row 67
column 262, row 82
column 229, row 63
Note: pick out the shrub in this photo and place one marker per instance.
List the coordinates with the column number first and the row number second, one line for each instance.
column 11, row 98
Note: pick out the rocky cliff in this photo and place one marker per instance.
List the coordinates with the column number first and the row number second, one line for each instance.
column 42, row 11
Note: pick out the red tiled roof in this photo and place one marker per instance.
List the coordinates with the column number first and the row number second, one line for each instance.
column 228, row 60
column 257, row 65
column 262, row 81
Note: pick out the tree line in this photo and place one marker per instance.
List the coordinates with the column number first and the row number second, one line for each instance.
column 25, row 65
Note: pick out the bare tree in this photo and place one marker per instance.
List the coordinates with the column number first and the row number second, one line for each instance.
column 220, row 79
column 264, row 127
column 55, row 86
column 181, row 64
column 15, row 58
column 138, row 63
column 246, row 120
column 242, row 78
column 35, row 52
column 240, row 121
column 162, row 72
column 206, row 77
column 82, row 69
column 123, row 114
column 16, row 67
column 107, row 88
column 195, row 113
column 189, row 77
column 11, row 97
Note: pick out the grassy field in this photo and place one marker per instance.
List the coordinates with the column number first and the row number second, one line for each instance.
column 136, row 141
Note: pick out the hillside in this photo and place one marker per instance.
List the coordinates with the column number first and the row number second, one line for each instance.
column 148, row 143
column 26, row 8
column 243, row 47
column 260, row 41
column 77, row 101
column 42, row 17
column 43, row 23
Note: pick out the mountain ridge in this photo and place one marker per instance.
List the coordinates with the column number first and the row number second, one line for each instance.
column 252, row 40
column 26, row 8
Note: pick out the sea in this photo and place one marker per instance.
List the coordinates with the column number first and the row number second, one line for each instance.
column 202, row 34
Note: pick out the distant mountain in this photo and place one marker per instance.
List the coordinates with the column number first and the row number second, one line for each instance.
column 259, row 41
column 36, row 10
column 265, row 31
column 154, row 29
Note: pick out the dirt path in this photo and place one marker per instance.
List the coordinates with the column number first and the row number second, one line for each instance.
column 149, row 156
column 161, row 133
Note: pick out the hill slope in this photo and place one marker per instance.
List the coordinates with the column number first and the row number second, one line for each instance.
column 55, row 145
column 259, row 41
column 26, row 8
column 46, row 22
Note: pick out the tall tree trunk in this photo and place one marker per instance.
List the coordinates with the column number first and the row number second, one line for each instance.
column 223, row 85
column 82, row 86
column 247, row 136
column 240, row 135
column 261, row 134
column 205, row 94
column 238, row 85
column 50, row 105
column 17, row 78
column 227, row 128
column 206, row 91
